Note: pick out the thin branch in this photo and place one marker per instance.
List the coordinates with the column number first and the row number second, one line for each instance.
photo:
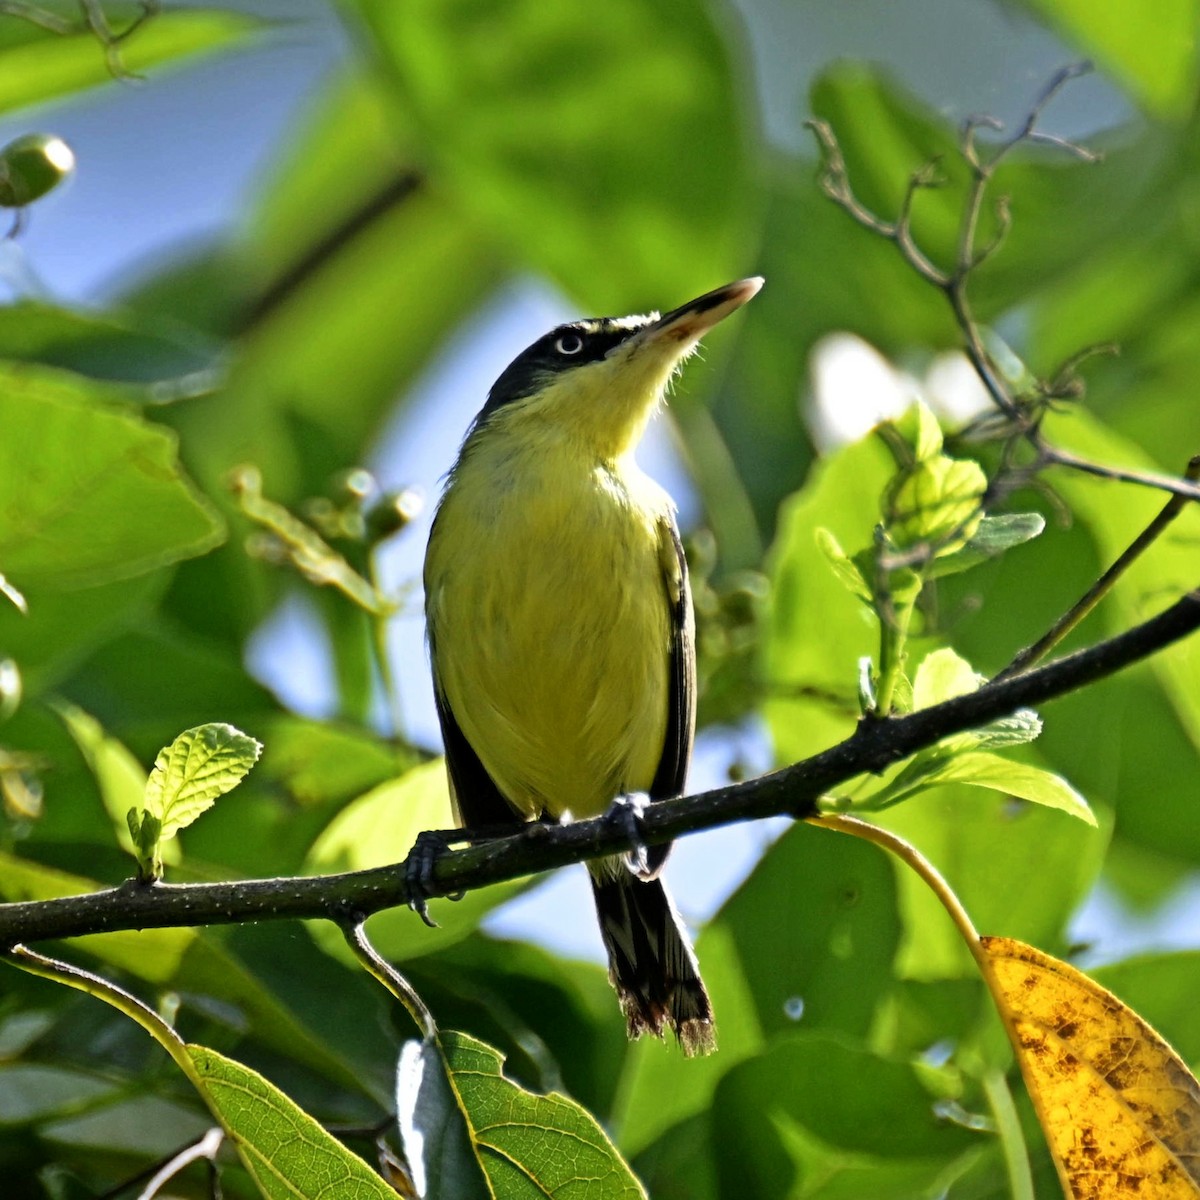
column 40, row 17
column 158, row 1172
column 794, row 791
column 395, row 191
column 1024, row 417
column 1088, row 601
column 205, row 1147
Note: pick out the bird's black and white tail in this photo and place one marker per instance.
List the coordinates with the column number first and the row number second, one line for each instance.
column 650, row 960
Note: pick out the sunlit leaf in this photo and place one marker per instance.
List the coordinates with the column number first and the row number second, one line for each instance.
column 992, row 536
column 197, row 767
column 844, row 567
column 434, row 1131
column 942, row 675
column 1031, row 783
column 815, row 636
column 1154, row 55
column 286, row 1152
column 89, row 492
column 937, row 501
column 532, row 1145
column 1119, row 1108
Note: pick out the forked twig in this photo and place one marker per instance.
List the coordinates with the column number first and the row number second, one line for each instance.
column 1022, row 415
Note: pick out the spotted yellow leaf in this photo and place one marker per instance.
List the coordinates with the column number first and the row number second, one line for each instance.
column 1120, row 1110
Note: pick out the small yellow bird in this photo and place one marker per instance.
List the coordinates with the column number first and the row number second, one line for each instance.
column 560, row 624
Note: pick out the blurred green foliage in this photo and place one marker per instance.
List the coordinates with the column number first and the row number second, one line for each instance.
column 616, row 153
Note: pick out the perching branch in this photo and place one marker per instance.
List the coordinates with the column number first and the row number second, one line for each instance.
column 793, row 791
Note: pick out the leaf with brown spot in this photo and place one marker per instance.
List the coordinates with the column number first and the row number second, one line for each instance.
column 1120, row 1110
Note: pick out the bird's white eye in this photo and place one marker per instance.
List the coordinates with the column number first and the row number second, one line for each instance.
column 569, row 343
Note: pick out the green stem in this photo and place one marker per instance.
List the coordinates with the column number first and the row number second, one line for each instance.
column 1012, row 1138
column 373, row 962
column 104, row 989
column 893, row 636
column 380, row 620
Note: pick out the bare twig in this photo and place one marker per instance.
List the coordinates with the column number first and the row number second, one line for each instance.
column 793, row 791
column 834, row 181
column 41, row 17
column 96, row 20
column 1021, row 415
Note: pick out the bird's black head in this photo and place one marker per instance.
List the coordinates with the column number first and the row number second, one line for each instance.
column 560, row 350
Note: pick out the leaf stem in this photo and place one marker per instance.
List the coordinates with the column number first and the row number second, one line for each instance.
column 376, row 965
column 908, row 854
column 104, row 989
column 1012, row 1137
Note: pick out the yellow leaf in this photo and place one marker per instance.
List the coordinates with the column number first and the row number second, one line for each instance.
column 1120, row 1110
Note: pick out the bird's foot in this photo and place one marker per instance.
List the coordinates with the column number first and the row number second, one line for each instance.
column 626, row 813
column 418, row 871
column 422, row 859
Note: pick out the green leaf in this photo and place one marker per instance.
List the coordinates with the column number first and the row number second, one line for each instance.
column 287, row 1153
column 31, row 1092
column 1013, row 779
column 62, row 627
column 980, row 841
column 812, row 698
column 37, row 64
column 122, row 346
column 936, row 501
column 844, row 567
column 920, row 430
column 197, row 767
column 184, row 960
column 1153, row 53
column 868, row 1115
column 554, row 1020
column 146, row 1127
column 381, row 827
column 134, row 678
column 828, row 971
column 434, row 1133
column 1166, row 572
column 942, row 675
column 992, row 537
column 547, row 145
column 89, row 492
column 119, row 775
column 532, row 1145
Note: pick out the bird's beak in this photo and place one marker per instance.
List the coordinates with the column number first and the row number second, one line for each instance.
column 687, row 324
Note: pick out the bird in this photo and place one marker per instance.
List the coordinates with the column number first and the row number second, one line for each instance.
column 560, row 626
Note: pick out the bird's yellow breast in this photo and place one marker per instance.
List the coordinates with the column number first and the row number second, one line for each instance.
column 550, row 622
